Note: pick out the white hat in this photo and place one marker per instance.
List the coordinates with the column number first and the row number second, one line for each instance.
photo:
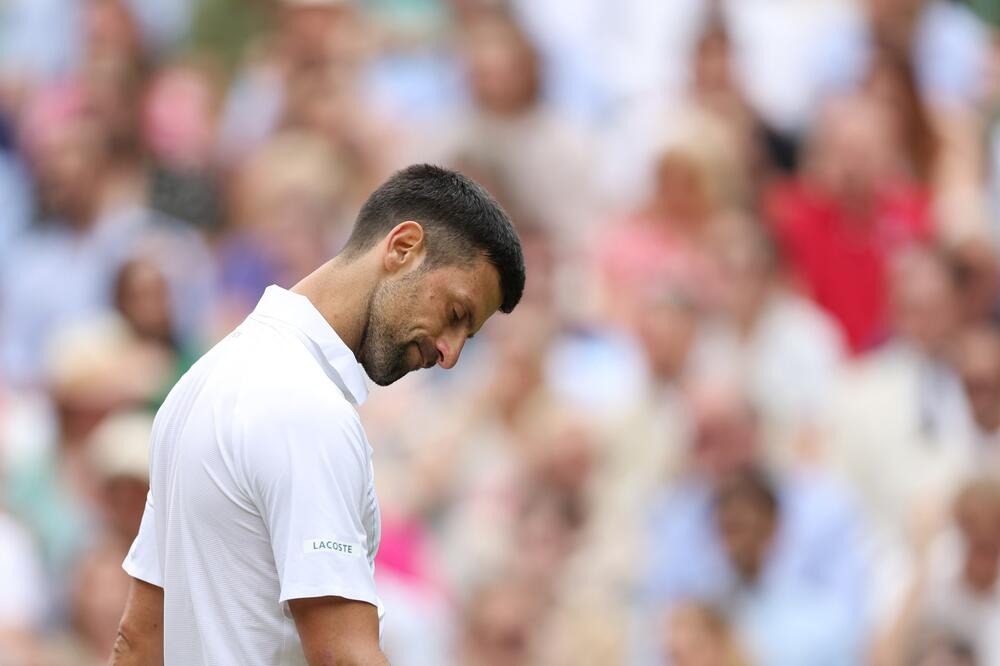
column 119, row 447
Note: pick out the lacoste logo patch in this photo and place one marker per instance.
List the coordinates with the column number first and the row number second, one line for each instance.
column 330, row 546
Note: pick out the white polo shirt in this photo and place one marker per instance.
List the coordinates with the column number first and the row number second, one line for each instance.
column 261, row 490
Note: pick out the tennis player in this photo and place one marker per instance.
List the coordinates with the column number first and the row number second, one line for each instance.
column 261, row 525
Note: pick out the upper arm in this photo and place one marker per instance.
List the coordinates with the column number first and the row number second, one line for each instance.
column 337, row 631
column 310, row 478
column 140, row 633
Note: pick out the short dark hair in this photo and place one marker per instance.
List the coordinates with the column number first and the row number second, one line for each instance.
column 751, row 485
column 460, row 219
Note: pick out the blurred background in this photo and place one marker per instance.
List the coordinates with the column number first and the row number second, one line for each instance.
column 747, row 414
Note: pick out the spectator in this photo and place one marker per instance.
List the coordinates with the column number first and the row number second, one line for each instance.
column 119, row 454
column 500, row 627
column 899, row 426
column 955, row 588
column 90, row 230
column 976, row 268
column 786, row 350
column 540, row 159
column 771, row 549
column 179, row 122
column 287, row 209
column 946, row 42
column 853, row 207
column 977, row 362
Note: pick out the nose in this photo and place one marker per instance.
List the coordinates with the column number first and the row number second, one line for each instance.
column 449, row 349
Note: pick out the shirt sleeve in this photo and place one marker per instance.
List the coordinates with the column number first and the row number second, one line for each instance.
column 143, row 559
column 309, row 472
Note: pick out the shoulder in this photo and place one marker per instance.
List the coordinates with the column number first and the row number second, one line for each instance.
column 296, row 397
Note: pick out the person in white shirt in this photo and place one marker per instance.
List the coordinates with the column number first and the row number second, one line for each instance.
column 261, row 526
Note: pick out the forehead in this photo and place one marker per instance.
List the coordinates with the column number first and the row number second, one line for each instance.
column 478, row 283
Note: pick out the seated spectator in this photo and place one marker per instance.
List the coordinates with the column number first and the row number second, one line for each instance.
column 179, row 117
column 779, row 553
column 900, row 428
column 669, row 238
column 840, row 223
column 948, row 45
column 142, row 298
column 954, row 593
column 119, row 455
column 97, row 368
column 782, row 347
column 90, row 226
column 287, row 210
column 538, row 157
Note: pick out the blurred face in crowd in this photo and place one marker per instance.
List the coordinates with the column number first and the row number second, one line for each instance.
column 546, row 533
column 712, row 71
column 67, row 154
column 312, row 34
column 666, row 325
column 977, row 513
column 111, row 33
column 179, row 117
column 725, row 430
column 681, row 195
column 423, row 317
column 565, row 457
column 521, row 343
column 697, row 636
column 287, row 200
column 503, row 66
column 498, row 625
column 123, row 499
column 747, row 519
column 978, row 364
column 924, row 303
column 746, row 263
column 854, row 149
column 143, row 298
column 977, row 277
column 894, row 18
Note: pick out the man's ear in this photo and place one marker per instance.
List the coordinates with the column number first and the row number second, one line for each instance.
column 404, row 247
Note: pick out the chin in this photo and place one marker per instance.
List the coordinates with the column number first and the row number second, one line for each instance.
column 385, row 379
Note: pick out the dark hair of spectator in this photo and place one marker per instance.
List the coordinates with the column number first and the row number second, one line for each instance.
column 750, row 485
column 460, row 219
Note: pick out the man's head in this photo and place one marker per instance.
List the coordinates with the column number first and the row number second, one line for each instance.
column 448, row 258
column 976, row 356
column 747, row 515
column 924, row 300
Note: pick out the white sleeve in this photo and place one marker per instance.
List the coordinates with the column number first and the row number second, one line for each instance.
column 143, row 559
column 309, row 472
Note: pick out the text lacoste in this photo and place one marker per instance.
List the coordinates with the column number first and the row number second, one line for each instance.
column 329, row 546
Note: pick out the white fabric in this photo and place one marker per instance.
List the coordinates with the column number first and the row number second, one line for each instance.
column 21, row 579
column 262, row 490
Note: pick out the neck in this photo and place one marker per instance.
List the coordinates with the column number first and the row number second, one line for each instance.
column 341, row 291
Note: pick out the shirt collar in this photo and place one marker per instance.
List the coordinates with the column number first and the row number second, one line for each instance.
column 299, row 312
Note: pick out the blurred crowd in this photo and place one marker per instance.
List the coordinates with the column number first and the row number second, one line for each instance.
column 748, row 413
